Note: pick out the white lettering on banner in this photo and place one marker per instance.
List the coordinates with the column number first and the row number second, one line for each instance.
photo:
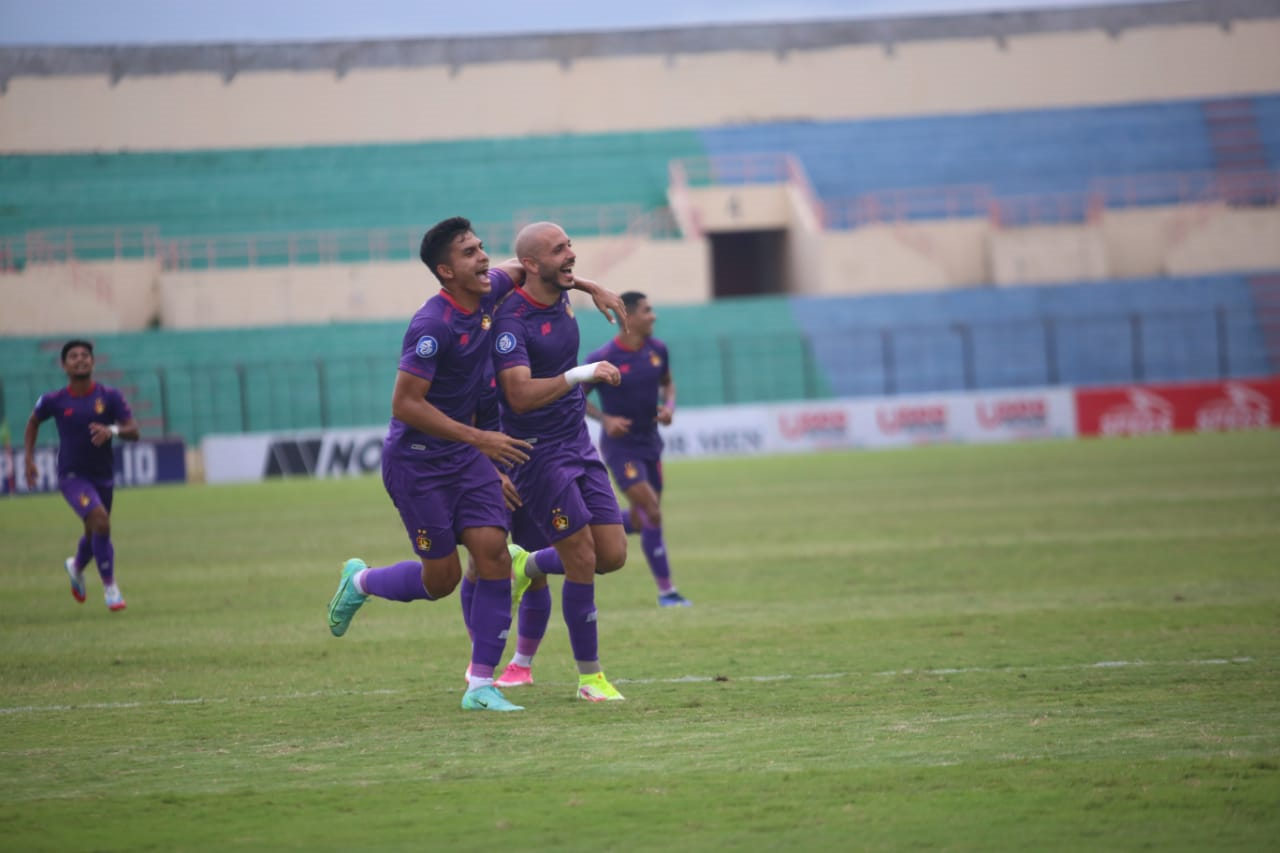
column 138, row 465
column 1018, row 413
column 830, row 424
column 1242, row 408
column 1146, row 412
column 730, row 441
column 912, row 419
column 15, row 465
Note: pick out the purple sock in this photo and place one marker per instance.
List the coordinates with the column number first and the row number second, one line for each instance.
column 104, row 554
column 578, row 603
column 548, row 561
column 491, row 618
column 535, row 613
column 655, row 551
column 626, row 523
column 84, row 553
column 467, row 594
column 401, row 582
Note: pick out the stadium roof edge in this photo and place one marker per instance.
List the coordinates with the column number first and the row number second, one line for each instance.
column 230, row 59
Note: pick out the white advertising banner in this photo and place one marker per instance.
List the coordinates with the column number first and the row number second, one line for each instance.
column 714, row 431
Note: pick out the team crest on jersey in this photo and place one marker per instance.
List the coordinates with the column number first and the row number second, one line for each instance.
column 84, row 499
column 99, row 406
column 654, row 360
column 559, row 520
column 485, row 323
column 629, row 471
column 427, row 347
column 505, row 343
column 422, row 541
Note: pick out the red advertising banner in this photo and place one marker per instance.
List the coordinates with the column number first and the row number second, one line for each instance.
column 1184, row 407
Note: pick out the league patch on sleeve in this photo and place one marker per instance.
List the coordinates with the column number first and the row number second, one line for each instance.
column 506, row 343
column 427, row 346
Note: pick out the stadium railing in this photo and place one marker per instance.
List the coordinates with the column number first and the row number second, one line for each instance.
column 1250, row 188
column 193, row 397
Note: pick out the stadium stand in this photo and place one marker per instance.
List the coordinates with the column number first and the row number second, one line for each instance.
column 740, row 351
column 1030, row 120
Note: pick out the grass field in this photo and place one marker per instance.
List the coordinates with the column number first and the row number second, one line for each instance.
column 1057, row 646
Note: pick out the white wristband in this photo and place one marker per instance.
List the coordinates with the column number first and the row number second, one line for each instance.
column 581, row 373
column 115, row 429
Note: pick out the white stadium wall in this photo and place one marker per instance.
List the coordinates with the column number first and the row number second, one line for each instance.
column 193, row 110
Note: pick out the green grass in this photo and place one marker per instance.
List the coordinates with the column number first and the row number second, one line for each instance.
column 1051, row 646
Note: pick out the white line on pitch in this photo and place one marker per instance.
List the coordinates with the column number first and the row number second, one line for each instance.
column 684, row 679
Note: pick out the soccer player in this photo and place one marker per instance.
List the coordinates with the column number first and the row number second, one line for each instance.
column 629, row 415
column 531, row 598
column 89, row 417
column 438, row 468
column 568, row 499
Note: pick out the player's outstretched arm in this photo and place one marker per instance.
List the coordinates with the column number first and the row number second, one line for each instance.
column 409, row 405
column 667, row 401
column 100, row 434
column 524, row 393
column 29, row 449
column 607, row 302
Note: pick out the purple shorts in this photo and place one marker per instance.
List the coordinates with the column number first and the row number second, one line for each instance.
column 564, row 487
column 630, row 466
column 438, row 502
column 83, row 495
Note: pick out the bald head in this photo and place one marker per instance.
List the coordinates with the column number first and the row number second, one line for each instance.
column 547, row 255
column 532, row 238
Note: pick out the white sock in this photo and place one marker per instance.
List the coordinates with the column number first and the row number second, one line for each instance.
column 474, row 683
column 525, row 661
column 358, row 580
column 111, row 590
column 531, row 568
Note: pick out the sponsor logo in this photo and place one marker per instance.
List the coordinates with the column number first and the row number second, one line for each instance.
column 829, row 424
column 914, row 420
column 505, row 343
column 1143, row 413
column 1021, row 413
column 330, row 456
column 427, row 346
column 1241, row 407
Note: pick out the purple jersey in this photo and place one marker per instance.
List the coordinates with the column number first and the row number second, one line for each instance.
column 77, row 455
column 449, row 347
column 543, row 338
column 636, row 397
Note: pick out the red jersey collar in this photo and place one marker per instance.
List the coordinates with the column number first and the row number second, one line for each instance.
column 617, row 339
column 449, row 298
column 535, row 303
column 93, row 386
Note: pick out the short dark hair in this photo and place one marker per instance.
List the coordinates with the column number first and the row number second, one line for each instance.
column 631, row 299
column 72, row 344
column 438, row 239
